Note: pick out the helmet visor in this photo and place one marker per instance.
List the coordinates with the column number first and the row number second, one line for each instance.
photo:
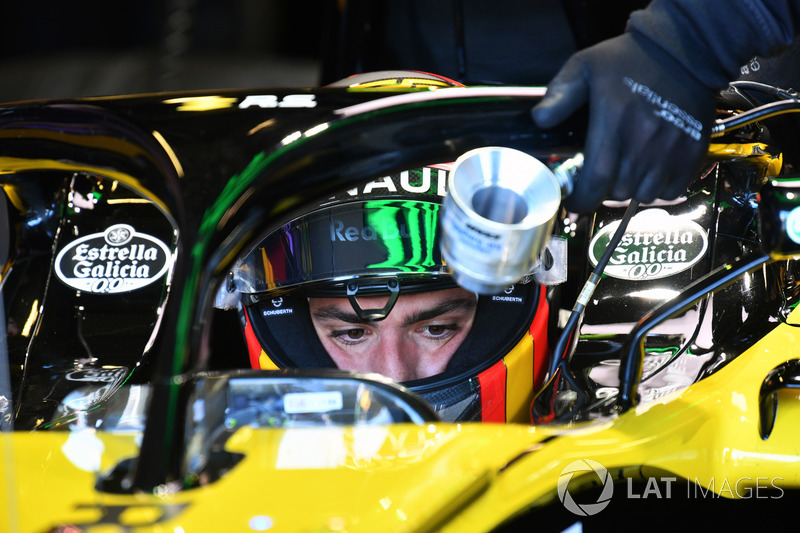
column 365, row 238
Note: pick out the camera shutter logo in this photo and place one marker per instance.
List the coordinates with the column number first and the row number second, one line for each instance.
column 585, row 509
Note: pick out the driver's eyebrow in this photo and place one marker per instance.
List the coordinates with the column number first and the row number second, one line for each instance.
column 332, row 312
column 446, row 306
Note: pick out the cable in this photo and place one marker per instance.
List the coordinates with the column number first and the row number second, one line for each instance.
column 787, row 94
column 460, row 44
column 765, row 111
column 566, row 340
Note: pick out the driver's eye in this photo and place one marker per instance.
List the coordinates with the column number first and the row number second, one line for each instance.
column 437, row 329
column 353, row 334
column 349, row 336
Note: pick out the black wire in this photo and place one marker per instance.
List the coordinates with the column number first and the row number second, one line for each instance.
column 567, row 339
column 772, row 109
column 787, row 94
column 460, row 44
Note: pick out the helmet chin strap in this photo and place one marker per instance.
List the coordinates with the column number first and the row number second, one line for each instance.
column 373, row 315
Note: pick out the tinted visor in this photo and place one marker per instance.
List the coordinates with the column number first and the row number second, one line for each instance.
column 363, row 238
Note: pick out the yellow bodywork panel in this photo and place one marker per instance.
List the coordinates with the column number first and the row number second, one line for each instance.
column 440, row 477
column 754, row 152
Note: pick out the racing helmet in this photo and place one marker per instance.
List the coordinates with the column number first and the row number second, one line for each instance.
column 382, row 239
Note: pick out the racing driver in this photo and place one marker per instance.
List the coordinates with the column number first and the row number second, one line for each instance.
column 359, row 284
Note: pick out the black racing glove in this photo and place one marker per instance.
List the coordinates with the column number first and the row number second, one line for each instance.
column 649, row 121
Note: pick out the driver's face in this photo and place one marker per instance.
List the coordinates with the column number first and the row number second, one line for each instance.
column 416, row 339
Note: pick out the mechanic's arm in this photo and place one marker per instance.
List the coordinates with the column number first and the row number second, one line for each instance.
column 651, row 91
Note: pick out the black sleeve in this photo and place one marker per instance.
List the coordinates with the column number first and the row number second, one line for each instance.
column 714, row 38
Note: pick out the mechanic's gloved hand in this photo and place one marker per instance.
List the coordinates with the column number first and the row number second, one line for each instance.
column 649, row 121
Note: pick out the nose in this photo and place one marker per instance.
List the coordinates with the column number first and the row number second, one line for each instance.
column 397, row 358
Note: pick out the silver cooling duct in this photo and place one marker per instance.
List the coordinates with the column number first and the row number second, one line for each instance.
column 498, row 215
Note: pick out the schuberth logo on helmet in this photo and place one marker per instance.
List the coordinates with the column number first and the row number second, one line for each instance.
column 655, row 245
column 278, row 308
column 116, row 260
column 508, row 296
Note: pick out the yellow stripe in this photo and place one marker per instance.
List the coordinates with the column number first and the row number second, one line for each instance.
column 265, row 363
